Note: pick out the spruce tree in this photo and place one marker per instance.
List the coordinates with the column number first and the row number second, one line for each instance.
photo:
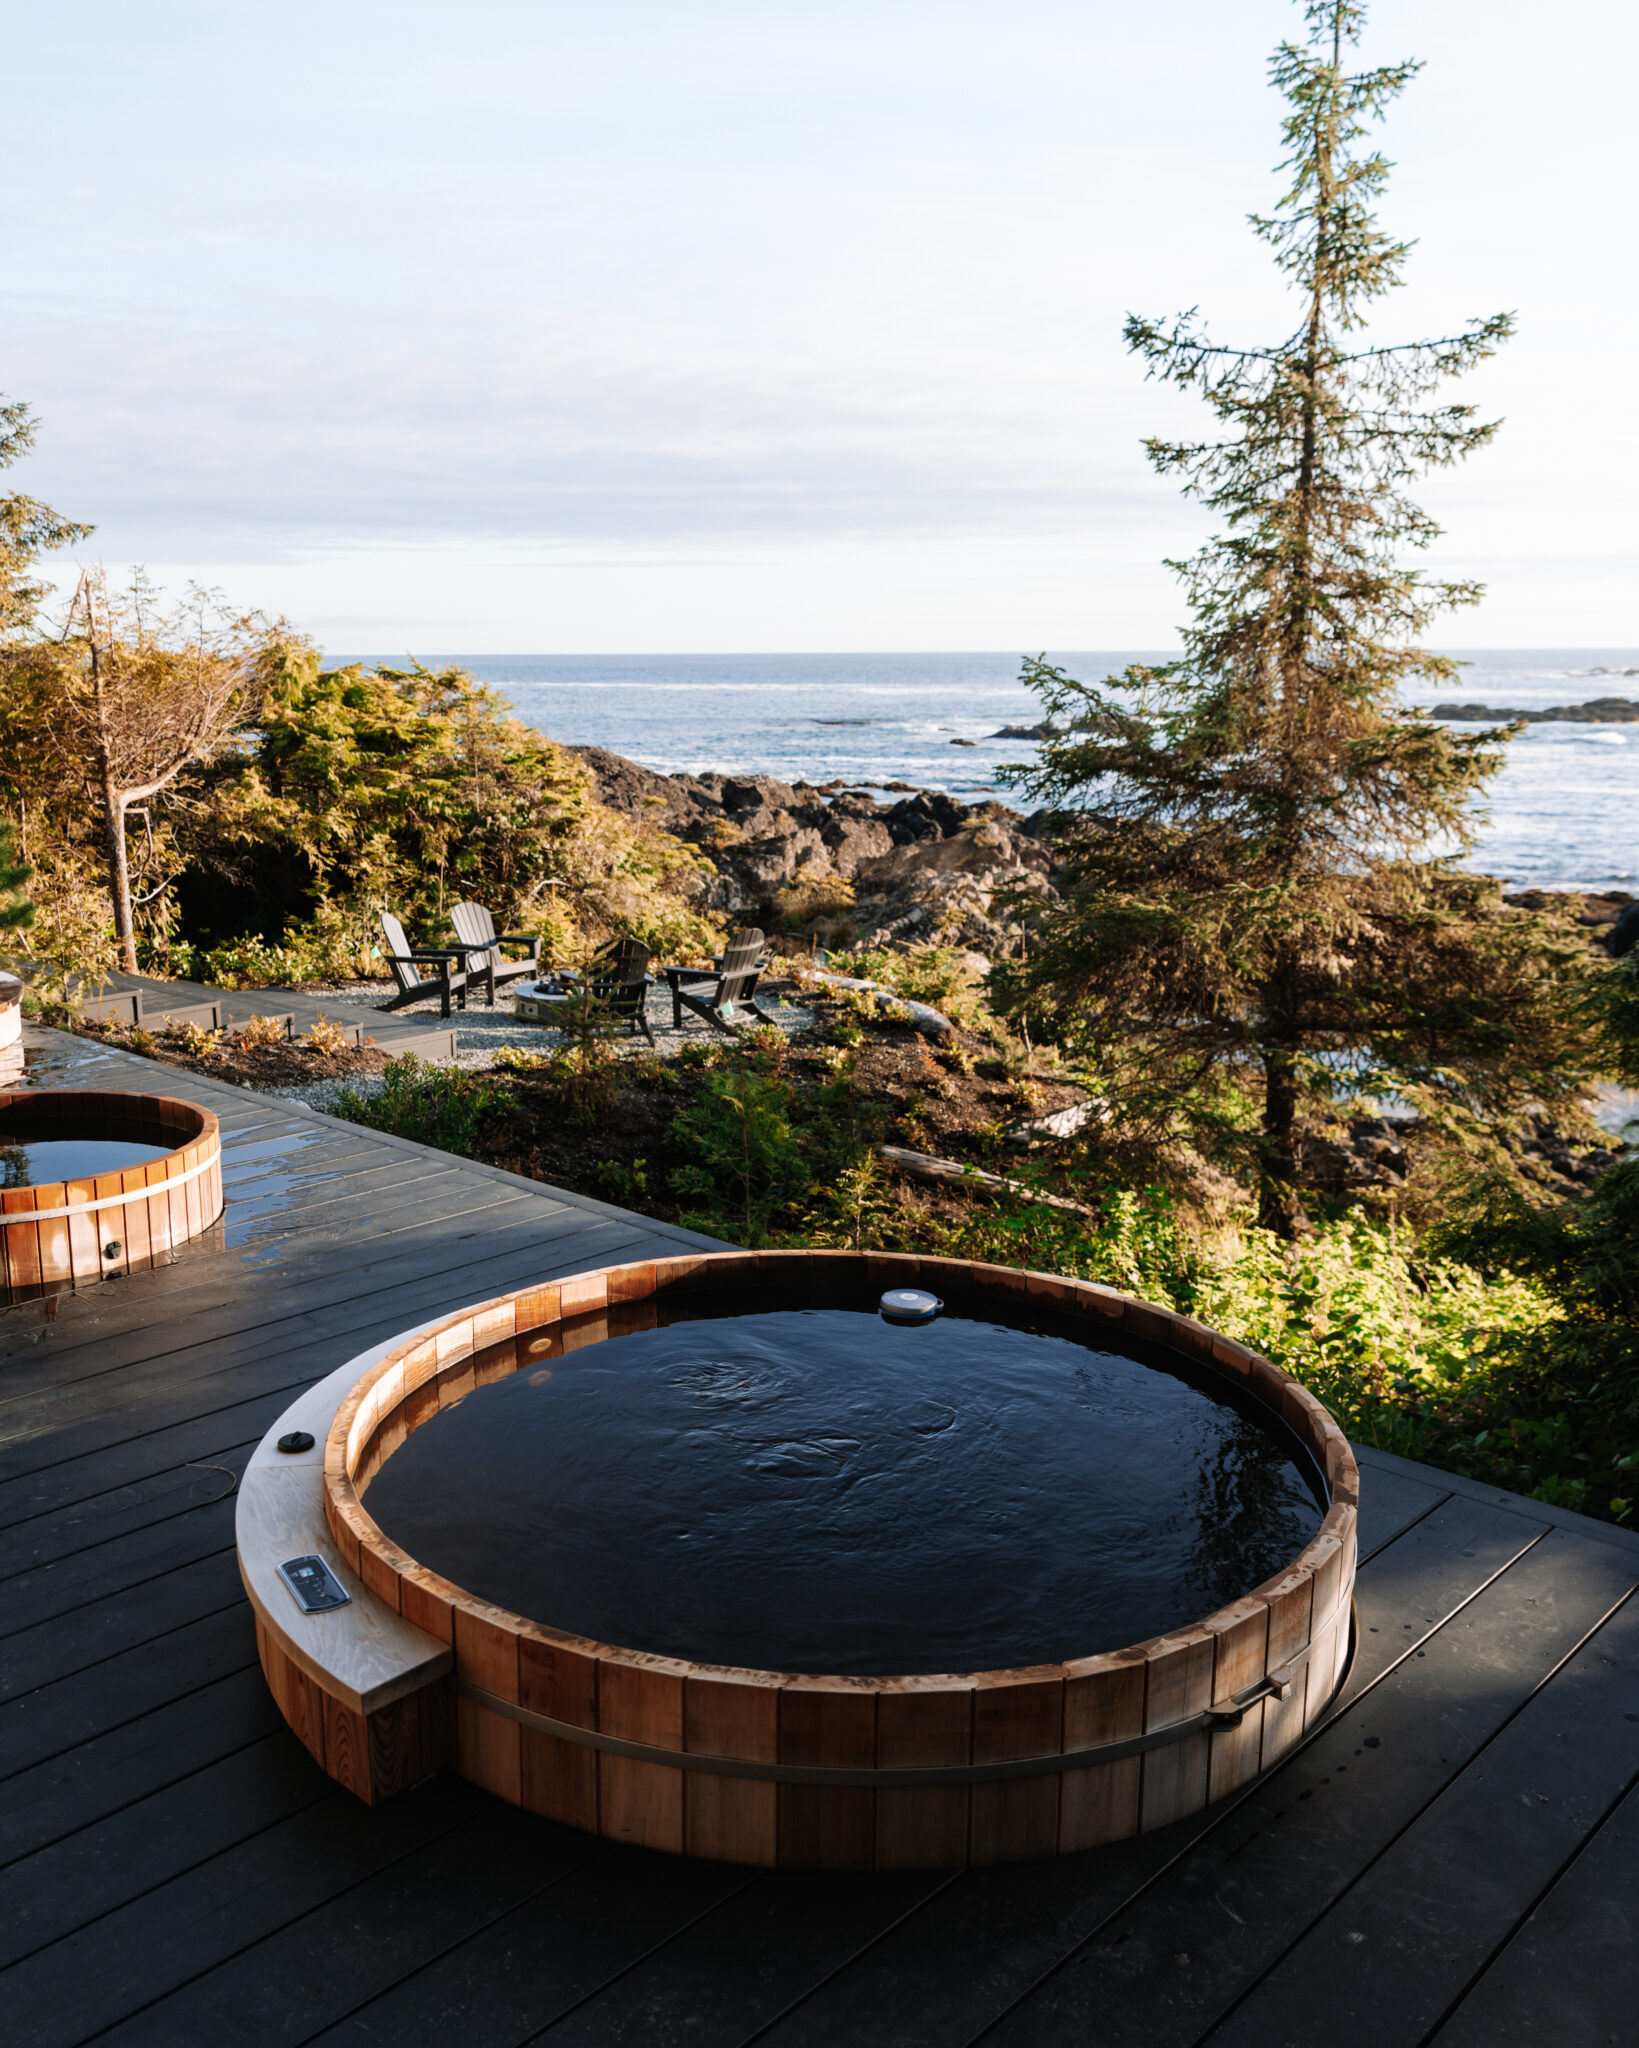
column 1253, row 932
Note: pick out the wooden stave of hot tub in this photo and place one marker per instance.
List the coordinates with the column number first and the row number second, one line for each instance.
column 764, row 1718
column 146, row 1211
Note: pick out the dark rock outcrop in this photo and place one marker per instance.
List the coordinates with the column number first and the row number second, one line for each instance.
column 924, row 867
column 1611, row 917
column 1597, row 711
column 1370, row 1154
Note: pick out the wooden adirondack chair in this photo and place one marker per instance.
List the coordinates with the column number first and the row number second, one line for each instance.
column 619, row 978
column 406, row 961
column 475, row 928
column 716, row 993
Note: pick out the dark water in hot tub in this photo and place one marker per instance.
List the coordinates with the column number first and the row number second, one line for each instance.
column 34, row 1162
column 818, row 1491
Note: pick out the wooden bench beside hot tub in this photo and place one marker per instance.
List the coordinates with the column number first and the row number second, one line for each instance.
column 366, row 1691
column 758, row 1766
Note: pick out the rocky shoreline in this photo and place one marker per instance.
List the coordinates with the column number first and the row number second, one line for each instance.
column 1597, row 711
column 838, row 860
column 1610, row 917
column 840, row 863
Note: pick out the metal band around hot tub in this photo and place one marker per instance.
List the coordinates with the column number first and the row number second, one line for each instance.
column 1213, row 1720
column 159, row 1187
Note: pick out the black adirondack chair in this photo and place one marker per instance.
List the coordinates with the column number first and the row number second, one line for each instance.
column 716, row 993
column 449, row 980
column 619, row 979
column 475, row 928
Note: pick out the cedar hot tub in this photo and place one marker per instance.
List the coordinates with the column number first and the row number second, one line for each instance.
column 711, row 1555
column 94, row 1184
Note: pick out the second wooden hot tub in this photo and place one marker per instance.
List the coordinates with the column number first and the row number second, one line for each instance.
column 100, row 1183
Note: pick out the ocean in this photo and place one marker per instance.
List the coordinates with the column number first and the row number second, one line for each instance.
column 1563, row 814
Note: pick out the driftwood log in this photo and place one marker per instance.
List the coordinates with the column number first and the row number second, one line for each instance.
column 950, row 1173
column 922, row 1017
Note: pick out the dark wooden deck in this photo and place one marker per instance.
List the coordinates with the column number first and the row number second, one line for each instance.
column 421, row 1032
column 1453, row 1859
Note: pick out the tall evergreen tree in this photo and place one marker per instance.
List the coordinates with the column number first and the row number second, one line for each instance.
column 1251, row 930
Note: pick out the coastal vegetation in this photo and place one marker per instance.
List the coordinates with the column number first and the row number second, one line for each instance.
column 1224, row 1032
column 279, row 806
column 411, row 788
column 125, row 700
column 16, row 910
column 193, row 793
column 1438, row 1346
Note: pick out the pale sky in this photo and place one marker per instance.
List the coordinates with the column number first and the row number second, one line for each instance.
column 748, row 324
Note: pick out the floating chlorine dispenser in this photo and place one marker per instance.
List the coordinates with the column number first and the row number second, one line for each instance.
column 909, row 1305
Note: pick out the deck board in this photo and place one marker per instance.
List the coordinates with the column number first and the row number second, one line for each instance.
column 112, row 1973
column 1015, row 1928
column 425, row 1034
column 63, row 1533
column 739, row 1968
column 173, row 1867
column 1566, row 1978
column 1401, row 1946
column 55, row 1719
column 548, row 1959
column 79, row 1878
column 1169, row 1967
column 1393, row 1504
column 114, row 1568
column 105, row 1775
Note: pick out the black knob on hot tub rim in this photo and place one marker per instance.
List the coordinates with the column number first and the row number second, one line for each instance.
column 296, row 1440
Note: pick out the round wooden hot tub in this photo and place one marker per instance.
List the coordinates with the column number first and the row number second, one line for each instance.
column 801, row 1770
column 94, row 1224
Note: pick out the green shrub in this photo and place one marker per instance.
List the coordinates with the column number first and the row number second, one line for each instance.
column 1568, row 1386
column 445, row 1107
column 761, row 1158
column 932, row 974
column 744, row 1153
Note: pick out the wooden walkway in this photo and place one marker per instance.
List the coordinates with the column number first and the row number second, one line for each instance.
column 1454, row 1858
column 422, row 1032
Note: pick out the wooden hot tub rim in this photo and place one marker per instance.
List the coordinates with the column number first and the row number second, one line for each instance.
column 583, row 1731
column 59, row 1232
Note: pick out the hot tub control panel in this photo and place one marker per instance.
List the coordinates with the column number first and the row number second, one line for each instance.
column 313, row 1585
